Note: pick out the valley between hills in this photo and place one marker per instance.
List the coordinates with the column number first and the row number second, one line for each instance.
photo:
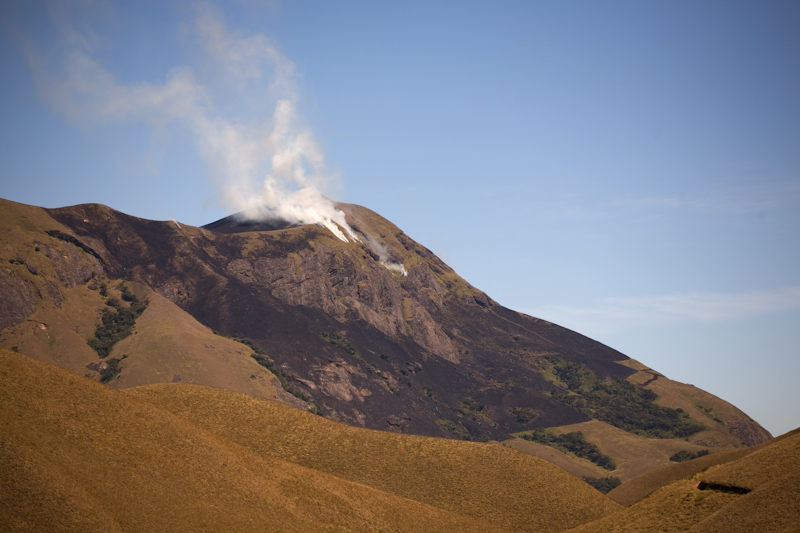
column 269, row 377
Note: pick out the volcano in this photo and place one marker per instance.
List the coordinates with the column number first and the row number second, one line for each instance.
column 292, row 313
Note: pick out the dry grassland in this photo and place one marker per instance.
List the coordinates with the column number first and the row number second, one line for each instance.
column 76, row 455
column 676, row 507
column 637, row 488
column 484, row 481
column 168, row 342
column 717, row 500
column 633, row 454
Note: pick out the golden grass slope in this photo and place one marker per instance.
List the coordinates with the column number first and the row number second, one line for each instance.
column 79, row 456
column 633, row 454
column 637, row 488
column 170, row 345
column 484, row 481
column 711, row 501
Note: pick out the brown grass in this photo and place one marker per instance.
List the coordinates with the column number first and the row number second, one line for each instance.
column 79, row 456
column 574, row 465
column 771, row 472
column 169, row 342
column 637, row 488
column 483, row 481
column 633, row 454
column 760, row 467
column 700, row 405
column 676, row 507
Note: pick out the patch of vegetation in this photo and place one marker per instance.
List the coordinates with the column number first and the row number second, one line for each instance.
column 474, row 410
column 285, row 379
column 472, row 406
column 428, row 392
column 341, row 342
column 523, row 414
column 683, row 455
column 573, row 442
column 111, row 369
column 407, row 316
column 453, row 428
column 459, row 431
column 709, row 413
column 603, row 484
column 116, row 324
column 126, row 294
column 620, row 403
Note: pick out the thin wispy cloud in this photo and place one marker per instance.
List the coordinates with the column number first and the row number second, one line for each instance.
column 758, row 198
column 239, row 103
column 617, row 314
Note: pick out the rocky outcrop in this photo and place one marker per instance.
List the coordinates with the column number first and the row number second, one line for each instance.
column 748, row 431
column 19, row 300
column 337, row 283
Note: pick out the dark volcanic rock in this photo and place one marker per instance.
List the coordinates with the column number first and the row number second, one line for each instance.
column 238, row 224
column 368, row 345
column 19, row 300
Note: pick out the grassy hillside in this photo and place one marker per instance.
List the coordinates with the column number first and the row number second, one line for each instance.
column 483, row 481
column 171, row 346
column 61, row 293
column 725, row 429
column 637, row 488
column 76, row 455
column 757, row 492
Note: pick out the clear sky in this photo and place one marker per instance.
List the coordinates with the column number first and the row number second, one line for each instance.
column 627, row 169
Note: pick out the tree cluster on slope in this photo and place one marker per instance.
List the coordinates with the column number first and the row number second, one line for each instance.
column 620, row 403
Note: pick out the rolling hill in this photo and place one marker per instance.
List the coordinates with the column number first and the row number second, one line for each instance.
column 76, row 455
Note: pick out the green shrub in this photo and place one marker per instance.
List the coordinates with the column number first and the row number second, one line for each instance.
column 573, row 442
column 472, row 405
column 454, row 429
column 341, row 342
column 115, row 324
column 111, row 369
column 603, row 484
column 683, row 455
column 523, row 414
column 620, row 403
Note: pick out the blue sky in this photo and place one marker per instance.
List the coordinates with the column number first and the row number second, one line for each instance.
column 630, row 170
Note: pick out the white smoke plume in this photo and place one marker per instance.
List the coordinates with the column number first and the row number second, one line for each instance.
column 239, row 102
column 382, row 251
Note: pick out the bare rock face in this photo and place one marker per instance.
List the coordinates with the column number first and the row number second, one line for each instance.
column 748, row 431
column 336, row 283
column 19, row 300
column 72, row 265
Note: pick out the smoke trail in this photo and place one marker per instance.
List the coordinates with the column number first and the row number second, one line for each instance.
column 242, row 115
column 382, row 251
